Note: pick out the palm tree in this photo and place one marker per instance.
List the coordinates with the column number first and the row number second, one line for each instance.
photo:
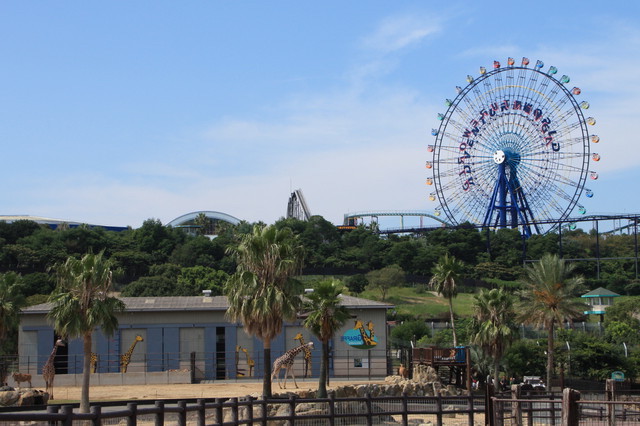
column 261, row 293
column 81, row 302
column 325, row 318
column 11, row 299
column 445, row 274
column 494, row 325
column 549, row 298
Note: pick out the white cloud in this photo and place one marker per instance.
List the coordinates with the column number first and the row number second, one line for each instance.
column 399, row 32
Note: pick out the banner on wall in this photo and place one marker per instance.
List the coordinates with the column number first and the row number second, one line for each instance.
column 361, row 336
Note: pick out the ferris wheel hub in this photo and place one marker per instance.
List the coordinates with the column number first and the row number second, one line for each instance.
column 499, row 156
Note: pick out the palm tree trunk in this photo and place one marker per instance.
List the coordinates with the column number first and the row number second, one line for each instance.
column 86, row 373
column 453, row 325
column 496, row 374
column 324, row 371
column 550, row 346
column 266, row 380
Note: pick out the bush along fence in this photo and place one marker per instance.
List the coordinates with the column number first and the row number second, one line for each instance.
column 366, row 410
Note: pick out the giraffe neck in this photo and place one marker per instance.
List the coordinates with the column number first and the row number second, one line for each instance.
column 365, row 337
column 291, row 353
column 53, row 354
column 133, row 346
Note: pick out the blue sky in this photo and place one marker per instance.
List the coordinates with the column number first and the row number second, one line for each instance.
column 116, row 112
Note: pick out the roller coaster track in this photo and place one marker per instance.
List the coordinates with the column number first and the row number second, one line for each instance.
column 297, row 207
column 353, row 218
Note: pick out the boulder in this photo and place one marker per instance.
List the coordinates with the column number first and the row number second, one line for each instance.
column 9, row 398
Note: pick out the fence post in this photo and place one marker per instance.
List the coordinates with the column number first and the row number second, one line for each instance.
column 439, row 410
column 570, row 410
column 332, row 409
column 516, row 408
column 264, row 411
column 182, row 414
column 369, row 409
column 234, row 408
column 201, row 412
column 292, row 409
column 219, row 416
column 96, row 410
column 192, row 363
column 67, row 410
column 471, row 409
column 611, row 396
column 488, row 404
column 159, row 421
column 249, row 409
column 132, row 419
column 52, row 409
column 405, row 408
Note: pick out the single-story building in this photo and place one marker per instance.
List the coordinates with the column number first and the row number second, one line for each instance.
column 190, row 337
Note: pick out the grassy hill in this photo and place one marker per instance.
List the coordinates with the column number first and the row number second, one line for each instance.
column 424, row 304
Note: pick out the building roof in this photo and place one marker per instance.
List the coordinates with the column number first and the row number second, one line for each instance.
column 600, row 292
column 198, row 303
column 54, row 223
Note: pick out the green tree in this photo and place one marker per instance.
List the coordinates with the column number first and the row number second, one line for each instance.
column 193, row 280
column 262, row 293
column 204, row 224
column 81, row 302
column 325, row 318
column 385, row 278
column 409, row 331
column 524, row 358
column 494, row 325
column 549, row 298
column 11, row 300
column 357, row 283
column 445, row 274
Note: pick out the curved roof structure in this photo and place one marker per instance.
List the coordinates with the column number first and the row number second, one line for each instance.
column 187, row 219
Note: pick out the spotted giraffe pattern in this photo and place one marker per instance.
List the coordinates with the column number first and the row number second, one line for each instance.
column 367, row 339
column 93, row 361
column 307, row 354
column 49, row 369
column 125, row 358
column 286, row 362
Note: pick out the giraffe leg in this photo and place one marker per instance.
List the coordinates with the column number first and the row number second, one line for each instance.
column 294, row 377
column 276, row 374
column 286, row 373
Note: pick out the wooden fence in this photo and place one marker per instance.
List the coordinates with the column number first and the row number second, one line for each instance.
column 366, row 410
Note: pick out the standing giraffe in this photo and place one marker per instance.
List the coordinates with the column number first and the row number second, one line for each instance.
column 93, row 362
column 49, row 369
column 125, row 358
column 286, row 362
column 307, row 354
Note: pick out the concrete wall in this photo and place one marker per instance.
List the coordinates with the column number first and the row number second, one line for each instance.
column 170, row 337
column 110, row 379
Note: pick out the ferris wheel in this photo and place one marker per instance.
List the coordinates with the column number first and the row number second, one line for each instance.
column 512, row 150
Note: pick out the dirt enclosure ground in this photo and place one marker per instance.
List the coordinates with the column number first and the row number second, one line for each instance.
column 219, row 389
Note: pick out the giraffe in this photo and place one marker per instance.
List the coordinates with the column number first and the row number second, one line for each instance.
column 49, row 369
column 94, row 362
column 366, row 338
column 250, row 363
column 371, row 330
column 125, row 358
column 286, row 362
column 307, row 354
